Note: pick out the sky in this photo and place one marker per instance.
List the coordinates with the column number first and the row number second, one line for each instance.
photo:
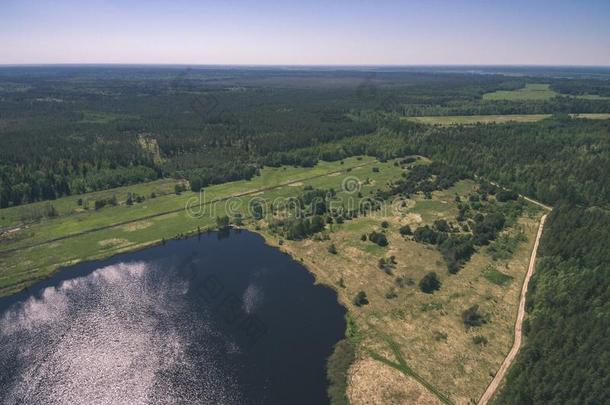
column 308, row 32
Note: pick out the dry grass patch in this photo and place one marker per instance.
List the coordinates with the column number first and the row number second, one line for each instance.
column 135, row 226
column 428, row 329
column 371, row 382
column 113, row 242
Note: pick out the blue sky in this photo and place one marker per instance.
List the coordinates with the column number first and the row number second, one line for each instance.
column 306, row 32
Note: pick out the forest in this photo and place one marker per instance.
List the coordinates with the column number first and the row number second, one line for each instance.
column 70, row 130
column 565, row 358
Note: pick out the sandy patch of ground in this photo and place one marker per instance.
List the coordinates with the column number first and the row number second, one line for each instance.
column 113, row 242
column 297, row 184
column 413, row 218
column 134, row 226
column 371, row 382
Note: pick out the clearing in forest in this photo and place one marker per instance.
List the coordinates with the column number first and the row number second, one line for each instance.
column 531, row 91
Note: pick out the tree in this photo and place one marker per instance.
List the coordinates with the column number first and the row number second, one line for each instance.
column 405, row 230
column 441, row 225
column 430, row 283
column 256, row 208
column 360, row 299
column 222, row 222
column 426, row 234
column 506, row 195
column 50, row 210
column 378, row 238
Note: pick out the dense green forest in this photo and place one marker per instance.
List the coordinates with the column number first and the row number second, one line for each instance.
column 561, row 159
column 70, row 130
column 566, row 355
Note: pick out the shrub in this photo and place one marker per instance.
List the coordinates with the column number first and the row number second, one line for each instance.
column 405, row 230
column 360, row 299
column 338, row 365
column 332, row 249
column 426, row 234
column 222, row 222
column 385, row 224
column 50, row 210
column 506, row 195
column 472, row 317
column 429, row 283
column 391, row 294
column 441, row 225
column 378, row 238
column 403, row 281
column 387, row 265
column 179, row 188
column 457, row 250
column 257, row 210
column 438, row 335
column 479, row 340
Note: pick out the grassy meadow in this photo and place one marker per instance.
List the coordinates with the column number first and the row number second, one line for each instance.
column 531, row 91
column 534, row 92
column 446, row 120
column 477, row 119
column 421, row 337
column 33, row 251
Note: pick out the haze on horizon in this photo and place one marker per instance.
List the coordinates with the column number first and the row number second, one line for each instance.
column 316, row 32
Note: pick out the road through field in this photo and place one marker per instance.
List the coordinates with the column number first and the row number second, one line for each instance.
column 493, row 386
column 158, row 214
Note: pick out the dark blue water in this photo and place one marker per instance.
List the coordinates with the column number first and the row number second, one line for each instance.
column 204, row 320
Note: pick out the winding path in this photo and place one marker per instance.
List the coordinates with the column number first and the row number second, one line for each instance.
column 508, row 361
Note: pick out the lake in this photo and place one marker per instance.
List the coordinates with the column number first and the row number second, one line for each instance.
column 221, row 319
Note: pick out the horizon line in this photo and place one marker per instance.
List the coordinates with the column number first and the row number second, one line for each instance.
column 143, row 64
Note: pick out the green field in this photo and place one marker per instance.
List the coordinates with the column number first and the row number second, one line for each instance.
column 477, row 119
column 534, row 92
column 495, row 119
column 531, row 91
column 31, row 252
column 14, row 216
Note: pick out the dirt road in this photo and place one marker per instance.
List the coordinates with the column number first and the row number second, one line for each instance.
column 493, row 386
column 181, row 208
